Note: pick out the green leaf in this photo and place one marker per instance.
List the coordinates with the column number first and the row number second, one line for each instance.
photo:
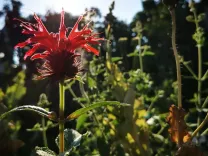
column 36, row 127
column 44, row 151
column 114, row 59
column 148, row 53
column 190, row 18
column 36, row 109
column 72, row 139
column 43, row 101
column 201, row 17
column 205, row 63
column 1, row 95
column 133, row 54
column 158, row 138
column 81, row 111
column 80, row 79
column 81, row 120
column 91, row 83
column 205, row 76
column 192, row 124
column 16, row 91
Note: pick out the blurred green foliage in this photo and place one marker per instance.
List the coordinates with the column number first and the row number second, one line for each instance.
column 136, row 66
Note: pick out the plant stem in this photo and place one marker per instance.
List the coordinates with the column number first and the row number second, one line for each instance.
column 61, row 116
column 199, row 75
column 199, row 66
column 140, row 54
column 178, row 69
column 200, row 127
column 190, row 70
column 205, row 132
column 205, row 102
column 44, row 133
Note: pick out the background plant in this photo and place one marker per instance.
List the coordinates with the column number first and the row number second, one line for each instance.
column 136, row 66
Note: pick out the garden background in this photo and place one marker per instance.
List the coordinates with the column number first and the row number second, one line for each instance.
column 136, row 65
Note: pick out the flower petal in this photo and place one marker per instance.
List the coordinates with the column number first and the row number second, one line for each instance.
column 74, row 30
column 41, row 26
column 38, row 56
column 62, row 28
column 31, row 51
column 23, row 44
column 91, row 49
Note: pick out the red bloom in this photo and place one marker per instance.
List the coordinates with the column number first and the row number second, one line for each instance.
column 58, row 50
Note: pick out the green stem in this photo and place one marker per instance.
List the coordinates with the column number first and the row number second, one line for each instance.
column 199, row 85
column 199, row 68
column 141, row 63
column 140, row 54
column 81, row 87
column 205, row 132
column 44, row 133
column 152, row 103
column 178, row 69
column 162, row 129
column 199, row 127
column 190, row 70
column 61, row 116
column 205, row 102
column 199, row 77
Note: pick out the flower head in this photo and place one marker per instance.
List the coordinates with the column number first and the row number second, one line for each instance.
column 56, row 49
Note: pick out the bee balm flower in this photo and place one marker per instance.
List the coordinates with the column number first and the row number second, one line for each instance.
column 58, row 50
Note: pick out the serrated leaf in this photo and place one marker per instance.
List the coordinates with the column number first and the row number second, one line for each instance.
column 72, row 139
column 81, row 111
column 44, row 151
column 36, row 109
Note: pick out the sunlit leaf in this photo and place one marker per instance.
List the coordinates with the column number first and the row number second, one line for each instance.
column 32, row 108
column 141, row 123
column 16, row 91
column 108, row 65
column 130, row 138
column 44, row 151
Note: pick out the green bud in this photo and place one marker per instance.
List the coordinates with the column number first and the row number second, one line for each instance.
column 190, row 18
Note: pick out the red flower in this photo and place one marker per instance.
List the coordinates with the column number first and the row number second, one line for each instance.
column 58, row 50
